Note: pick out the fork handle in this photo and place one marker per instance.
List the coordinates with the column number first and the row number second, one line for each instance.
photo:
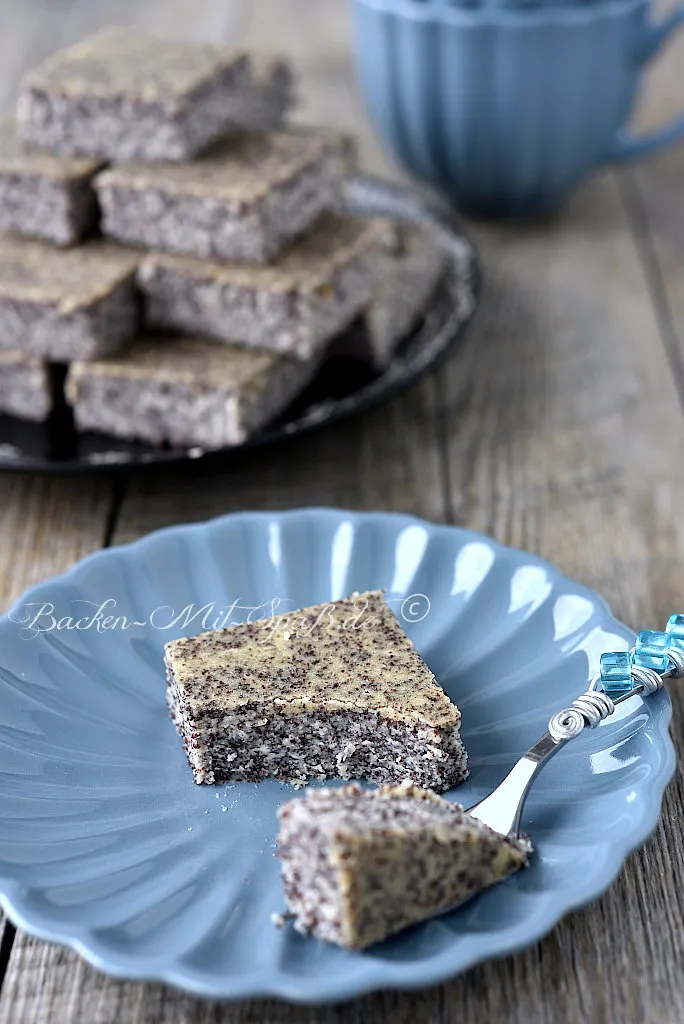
column 502, row 809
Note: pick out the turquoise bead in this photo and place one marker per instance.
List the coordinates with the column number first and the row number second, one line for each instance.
column 675, row 629
column 651, row 650
column 616, row 673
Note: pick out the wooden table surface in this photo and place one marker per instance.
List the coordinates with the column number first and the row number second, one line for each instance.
column 558, row 427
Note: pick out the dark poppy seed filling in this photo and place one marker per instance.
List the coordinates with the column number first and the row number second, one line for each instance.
column 333, row 691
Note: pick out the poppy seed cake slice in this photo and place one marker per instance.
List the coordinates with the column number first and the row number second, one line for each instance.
column 360, row 865
column 243, row 199
column 122, row 94
column 337, row 690
column 42, row 195
column 64, row 304
column 184, row 391
column 315, row 288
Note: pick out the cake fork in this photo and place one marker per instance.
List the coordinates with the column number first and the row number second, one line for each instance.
column 642, row 670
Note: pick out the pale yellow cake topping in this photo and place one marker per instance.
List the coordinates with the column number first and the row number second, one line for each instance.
column 351, row 655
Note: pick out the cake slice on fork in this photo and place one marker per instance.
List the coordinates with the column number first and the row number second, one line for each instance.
column 360, row 865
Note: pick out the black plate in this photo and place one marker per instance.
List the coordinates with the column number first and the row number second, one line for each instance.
column 342, row 388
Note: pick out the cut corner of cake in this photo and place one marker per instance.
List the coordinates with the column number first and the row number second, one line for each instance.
column 360, row 865
column 336, row 690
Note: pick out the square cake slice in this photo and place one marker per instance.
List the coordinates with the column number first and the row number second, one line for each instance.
column 316, row 286
column 333, row 690
column 360, row 865
column 42, row 195
column 123, row 95
column 66, row 304
column 25, row 387
column 242, row 200
column 184, row 391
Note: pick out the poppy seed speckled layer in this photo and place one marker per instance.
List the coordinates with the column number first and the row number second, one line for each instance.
column 360, row 865
column 333, row 690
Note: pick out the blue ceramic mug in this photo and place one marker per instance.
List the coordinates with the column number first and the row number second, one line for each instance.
column 506, row 109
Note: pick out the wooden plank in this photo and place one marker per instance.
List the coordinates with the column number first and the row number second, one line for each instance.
column 46, row 524
column 387, row 458
column 652, row 193
column 653, row 197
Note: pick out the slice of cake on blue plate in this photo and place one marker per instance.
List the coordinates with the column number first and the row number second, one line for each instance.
column 334, row 691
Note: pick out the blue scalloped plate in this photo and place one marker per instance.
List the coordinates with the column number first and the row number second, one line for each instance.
column 106, row 845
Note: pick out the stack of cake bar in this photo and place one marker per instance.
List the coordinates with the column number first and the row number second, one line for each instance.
column 185, row 254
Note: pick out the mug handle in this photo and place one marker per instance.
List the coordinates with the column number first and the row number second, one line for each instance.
column 627, row 146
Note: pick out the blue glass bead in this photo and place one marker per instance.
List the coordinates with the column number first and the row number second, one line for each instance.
column 651, row 650
column 616, row 675
column 675, row 629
